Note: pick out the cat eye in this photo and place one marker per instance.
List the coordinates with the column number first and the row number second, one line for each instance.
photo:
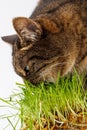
column 26, row 69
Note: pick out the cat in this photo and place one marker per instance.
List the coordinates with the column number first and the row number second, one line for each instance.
column 52, row 40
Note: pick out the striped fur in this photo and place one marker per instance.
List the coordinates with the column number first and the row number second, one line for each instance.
column 52, row 40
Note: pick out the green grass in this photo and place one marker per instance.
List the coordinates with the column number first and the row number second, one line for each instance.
column 42, row 102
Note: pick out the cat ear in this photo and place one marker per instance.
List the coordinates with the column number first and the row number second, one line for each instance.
column 11, row 39
column 27, row 29
column 47, row 24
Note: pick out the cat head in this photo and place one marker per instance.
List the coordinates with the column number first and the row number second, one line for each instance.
column 41, row 49
column 32, row 49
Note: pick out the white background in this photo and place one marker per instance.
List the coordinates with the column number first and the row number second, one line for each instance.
column 8, row 78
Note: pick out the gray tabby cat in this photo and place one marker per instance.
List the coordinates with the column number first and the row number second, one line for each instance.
column 52, row 40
